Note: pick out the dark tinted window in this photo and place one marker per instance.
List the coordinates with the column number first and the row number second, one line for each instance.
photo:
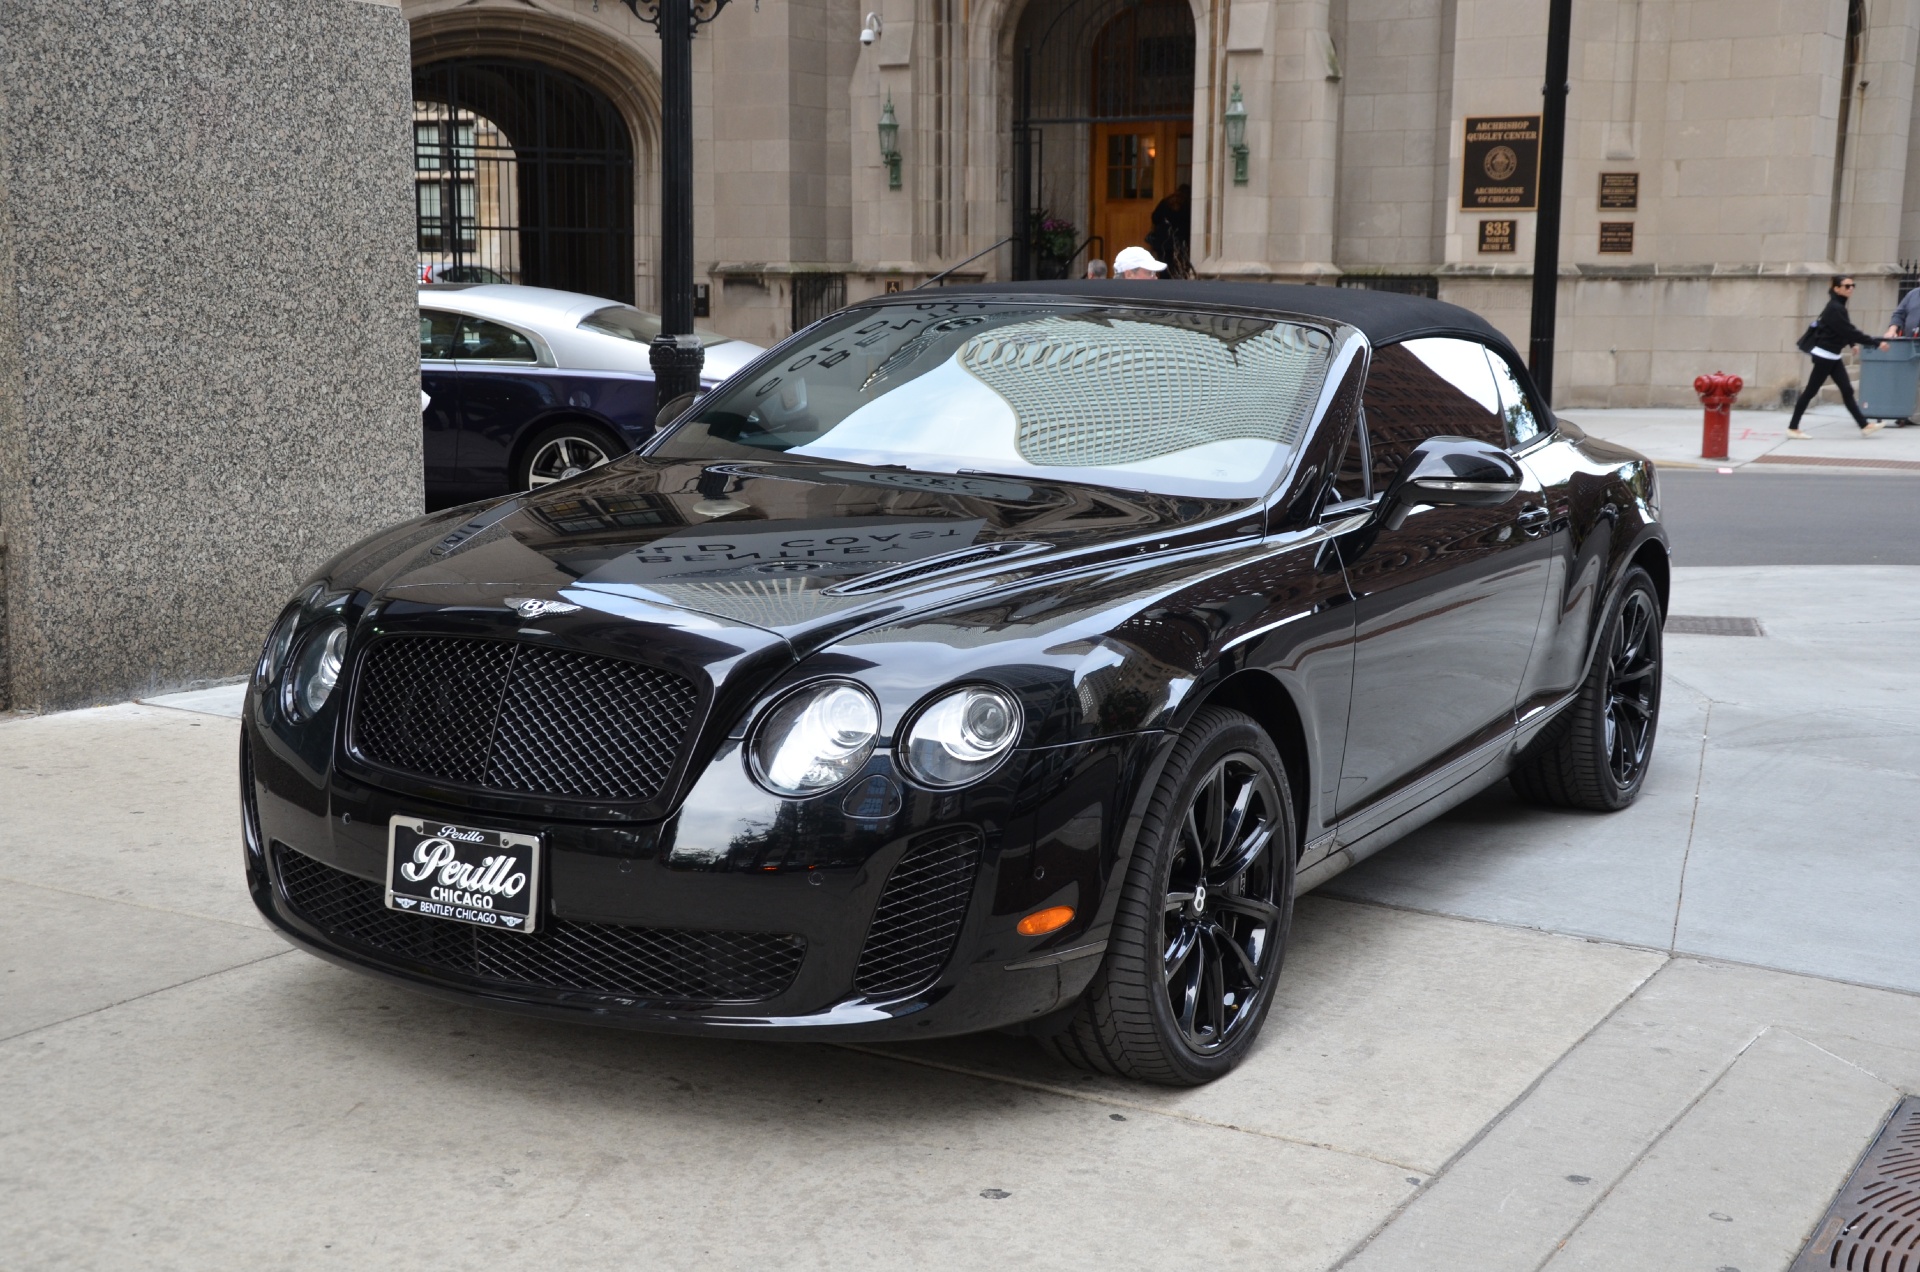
column 1431, row 387
column 436, row 333
column 483, row 341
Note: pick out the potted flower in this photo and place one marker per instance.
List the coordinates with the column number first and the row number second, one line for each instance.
column 1054, row 243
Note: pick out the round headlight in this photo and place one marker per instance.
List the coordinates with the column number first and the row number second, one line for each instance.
column 813, row 740
column 963, row 736
column 315, row 672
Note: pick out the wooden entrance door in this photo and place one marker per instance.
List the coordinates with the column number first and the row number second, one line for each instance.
column 1133, row 167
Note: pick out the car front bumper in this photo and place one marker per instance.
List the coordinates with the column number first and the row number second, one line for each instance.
column 741, row 913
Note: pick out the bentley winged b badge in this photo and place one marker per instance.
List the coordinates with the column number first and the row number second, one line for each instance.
column 527, row 607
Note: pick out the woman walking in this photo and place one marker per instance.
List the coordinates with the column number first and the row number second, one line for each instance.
column 1826, row 340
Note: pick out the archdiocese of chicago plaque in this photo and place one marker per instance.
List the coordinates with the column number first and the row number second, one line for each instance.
column 1502, row 167
column 1616, row 238
column 1620, row 191
column 1496, row 236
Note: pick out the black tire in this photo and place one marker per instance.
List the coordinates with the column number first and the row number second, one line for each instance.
column 564, row 450
column 1595, row 755
column 1240, row 903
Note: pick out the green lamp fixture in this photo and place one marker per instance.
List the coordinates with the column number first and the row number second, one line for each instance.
column 890, row 144
column 1236, row 124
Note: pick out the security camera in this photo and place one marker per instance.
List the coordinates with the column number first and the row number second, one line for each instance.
column 871, row 31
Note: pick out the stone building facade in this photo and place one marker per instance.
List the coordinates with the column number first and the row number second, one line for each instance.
column 1765, row 143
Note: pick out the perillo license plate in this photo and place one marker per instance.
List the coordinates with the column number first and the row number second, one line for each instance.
column 490, row 878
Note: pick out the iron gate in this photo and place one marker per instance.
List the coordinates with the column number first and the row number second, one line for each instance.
column 522, row 174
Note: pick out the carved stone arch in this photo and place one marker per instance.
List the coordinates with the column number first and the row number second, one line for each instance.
column 604, row 59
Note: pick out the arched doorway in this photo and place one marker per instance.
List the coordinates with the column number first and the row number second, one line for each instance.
column 524, row 172
column 1103, row 128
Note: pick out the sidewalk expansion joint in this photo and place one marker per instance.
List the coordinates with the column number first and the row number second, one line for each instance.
column 1493, row 1123
column 1121, row 1102
column 164, row 989
column 137, row 905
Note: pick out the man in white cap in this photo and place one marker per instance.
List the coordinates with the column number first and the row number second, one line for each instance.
column 1137, row 262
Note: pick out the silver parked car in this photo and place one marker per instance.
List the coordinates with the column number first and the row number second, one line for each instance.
column 527, row 385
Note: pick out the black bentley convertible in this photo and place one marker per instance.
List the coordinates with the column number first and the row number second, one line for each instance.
column 989, row 658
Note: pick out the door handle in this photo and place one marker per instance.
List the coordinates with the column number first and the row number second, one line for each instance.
column 1532, row 520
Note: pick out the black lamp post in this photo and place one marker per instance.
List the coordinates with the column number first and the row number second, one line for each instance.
column 1546, row 225
column 676, row 354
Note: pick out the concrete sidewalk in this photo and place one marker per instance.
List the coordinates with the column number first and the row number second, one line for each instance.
column 1672, row 439
column 1520, row 1039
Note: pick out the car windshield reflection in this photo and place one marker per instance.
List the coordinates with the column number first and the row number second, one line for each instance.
column 1176, row 403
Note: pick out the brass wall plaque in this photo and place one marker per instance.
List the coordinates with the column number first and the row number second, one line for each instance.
column 1620, row 191
column 1496, row 236
column 1616, row 238
column 1502, row 168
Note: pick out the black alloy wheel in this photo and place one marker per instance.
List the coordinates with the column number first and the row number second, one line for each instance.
column 1633, row 688
column 561, row 451
column 1595, row 754
column 1204, row 912
column 1221, row 918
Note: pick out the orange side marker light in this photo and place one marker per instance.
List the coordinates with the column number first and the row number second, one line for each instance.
column 1041, row 922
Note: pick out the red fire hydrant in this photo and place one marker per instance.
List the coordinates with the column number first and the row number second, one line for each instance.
column 1717, row 392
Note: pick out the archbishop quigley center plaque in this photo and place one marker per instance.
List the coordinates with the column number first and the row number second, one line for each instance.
column 1502, row 168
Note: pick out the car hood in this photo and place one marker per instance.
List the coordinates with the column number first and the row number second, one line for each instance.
column 803, row 550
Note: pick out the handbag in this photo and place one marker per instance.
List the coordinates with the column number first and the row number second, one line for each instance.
column 1805, row 343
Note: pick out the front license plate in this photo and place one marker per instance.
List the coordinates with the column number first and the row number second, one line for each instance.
column 490, row 878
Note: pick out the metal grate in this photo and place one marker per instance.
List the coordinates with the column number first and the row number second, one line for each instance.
column 1403, row 284
column 920, row 912
column 1712, row 625
column 815, row 296
column 522, row 174
column 1874, row 1224
column 600, row 958
column 522, row 718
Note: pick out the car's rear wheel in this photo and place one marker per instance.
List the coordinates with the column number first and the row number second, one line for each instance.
column 564, row 450
column 1595, row 756
column 1203, row 915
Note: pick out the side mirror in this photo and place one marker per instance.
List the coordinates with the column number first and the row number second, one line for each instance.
column 1457, row 471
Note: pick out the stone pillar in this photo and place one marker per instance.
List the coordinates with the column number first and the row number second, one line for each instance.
column 208, row 376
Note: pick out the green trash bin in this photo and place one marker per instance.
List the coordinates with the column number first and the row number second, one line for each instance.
column 1890, row 381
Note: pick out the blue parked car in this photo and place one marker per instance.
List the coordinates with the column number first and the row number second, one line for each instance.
column 526, row 386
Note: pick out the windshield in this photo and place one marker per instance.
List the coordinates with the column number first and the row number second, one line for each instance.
column 639, row 326
column 1209, row 405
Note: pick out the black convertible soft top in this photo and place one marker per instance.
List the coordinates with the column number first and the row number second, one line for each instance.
column 1381, row 316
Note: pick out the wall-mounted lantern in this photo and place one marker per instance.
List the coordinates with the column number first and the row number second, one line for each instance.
column 1236, row 124
column 890, row 144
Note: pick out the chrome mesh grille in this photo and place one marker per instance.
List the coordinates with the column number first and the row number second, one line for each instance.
column 654, row 964
column 920, row 913
column 523, row 718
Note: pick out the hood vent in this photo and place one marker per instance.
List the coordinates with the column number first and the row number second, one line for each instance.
column 894, row 576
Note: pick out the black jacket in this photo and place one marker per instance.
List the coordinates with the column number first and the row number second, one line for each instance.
column 1834, row 329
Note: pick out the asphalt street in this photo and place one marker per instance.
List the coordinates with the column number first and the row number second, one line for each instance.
column 1755, row 517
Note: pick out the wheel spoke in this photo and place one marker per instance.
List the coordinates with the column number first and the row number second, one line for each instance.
column 1216, row 796
column 1236, row 816
column 1628, row 677
column 1246, row 961
column 1264, row 912
column 1237, row 861
column 1190, row 998
column 1175, row 900
column 1181, row 947
column 1216, row 992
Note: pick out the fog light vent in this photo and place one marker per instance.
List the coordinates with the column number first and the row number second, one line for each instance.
column 920, row 913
